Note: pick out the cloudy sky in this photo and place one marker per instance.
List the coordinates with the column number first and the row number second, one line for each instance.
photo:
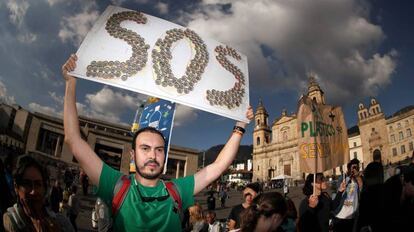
column 358, row 49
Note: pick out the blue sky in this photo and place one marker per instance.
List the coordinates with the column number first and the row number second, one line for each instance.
column 358, row 49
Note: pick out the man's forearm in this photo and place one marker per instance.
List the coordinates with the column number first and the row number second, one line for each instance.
column 70, row 114
column 226, row 156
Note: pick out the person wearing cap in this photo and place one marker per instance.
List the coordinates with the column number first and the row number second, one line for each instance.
column 249, row 193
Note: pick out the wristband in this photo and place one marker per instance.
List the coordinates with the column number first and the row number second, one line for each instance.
column 239, row 128
column 238, row 132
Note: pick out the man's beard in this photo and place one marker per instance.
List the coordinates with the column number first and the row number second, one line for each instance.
column 151, row 176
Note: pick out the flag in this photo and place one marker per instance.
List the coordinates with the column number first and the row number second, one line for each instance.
column 323, row 137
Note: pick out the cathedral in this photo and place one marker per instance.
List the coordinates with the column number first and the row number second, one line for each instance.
column 275, row 146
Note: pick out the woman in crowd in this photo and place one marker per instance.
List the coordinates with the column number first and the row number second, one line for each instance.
column 266, row 214
column 30, row 212
column 197, row 222
column 315, row 209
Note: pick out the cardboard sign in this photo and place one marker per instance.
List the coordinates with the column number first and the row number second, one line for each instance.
column 323, row 137
column 145, row 54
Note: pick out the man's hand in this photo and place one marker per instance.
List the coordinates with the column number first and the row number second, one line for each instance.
column 249, row 115
column 313, row 201
column 69, row 66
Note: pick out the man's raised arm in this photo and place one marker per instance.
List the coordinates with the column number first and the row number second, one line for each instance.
column 226, row 156
column 83, row 153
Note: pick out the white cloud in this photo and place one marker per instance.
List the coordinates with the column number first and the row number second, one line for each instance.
column 4, row 97
column 74, row 28
column 18, row 10
column 45, row 110
column 184, row 115
column 283, row 40
column 53, row 2
column 108, row 105
column 162, row 8
column 56, row 98
column 48, row 76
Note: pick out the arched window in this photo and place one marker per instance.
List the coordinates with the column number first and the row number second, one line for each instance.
column 285, row 135
column 258, row 141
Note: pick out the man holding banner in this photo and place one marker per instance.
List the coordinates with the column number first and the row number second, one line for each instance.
column 147, row 205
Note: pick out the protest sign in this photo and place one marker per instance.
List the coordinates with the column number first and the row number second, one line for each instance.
column 149, row 55
column 323, row 138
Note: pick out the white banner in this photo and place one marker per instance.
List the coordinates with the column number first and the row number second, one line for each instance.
column 145, row 54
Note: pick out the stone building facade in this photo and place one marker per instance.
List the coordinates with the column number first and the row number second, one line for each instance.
column 391, row 137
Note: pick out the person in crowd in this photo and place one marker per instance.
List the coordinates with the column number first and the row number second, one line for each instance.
column 85, row 182
column 5, row 195
column 102, row 216
column 211, row 200
column 68, row 178
column 370, row 204
column 147, row 197
column 315, row 209
column 266, row 214
column 213, row 224
column 30, row 212
column 249, row 193
column 9, row 165
column 398, row 202
column 56, row 196
column 74, row 206
column 223, row 196
column 347, row 211
column 197, row 222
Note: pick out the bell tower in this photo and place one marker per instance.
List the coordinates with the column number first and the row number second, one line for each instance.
column 261, row 133
column 314, row 90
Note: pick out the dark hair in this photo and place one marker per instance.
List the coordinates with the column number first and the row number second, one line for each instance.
column 308, row 187
column 377, row 155
column 211, row 212
column 26, row 162
column 353, row 161
column 146, row 129
column 408, row 174
column 254, row 186
column 373, row 174
column 265, row 204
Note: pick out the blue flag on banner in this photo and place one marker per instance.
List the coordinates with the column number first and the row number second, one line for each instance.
column 160, row 115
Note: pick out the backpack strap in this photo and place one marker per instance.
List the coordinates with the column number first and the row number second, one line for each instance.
column 173, row 191
column 120, row 190
column 175, row 194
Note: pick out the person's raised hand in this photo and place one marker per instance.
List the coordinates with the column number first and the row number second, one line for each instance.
column 249, row 115
column 69, row 66
column 313, row 201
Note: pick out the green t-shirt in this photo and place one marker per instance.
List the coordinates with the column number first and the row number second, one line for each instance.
column 135, row 215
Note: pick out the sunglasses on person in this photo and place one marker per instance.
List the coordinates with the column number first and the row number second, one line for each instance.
column 151, row 199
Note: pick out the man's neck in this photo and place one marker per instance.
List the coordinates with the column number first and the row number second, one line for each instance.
column 146, row 182
column 246, row 205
